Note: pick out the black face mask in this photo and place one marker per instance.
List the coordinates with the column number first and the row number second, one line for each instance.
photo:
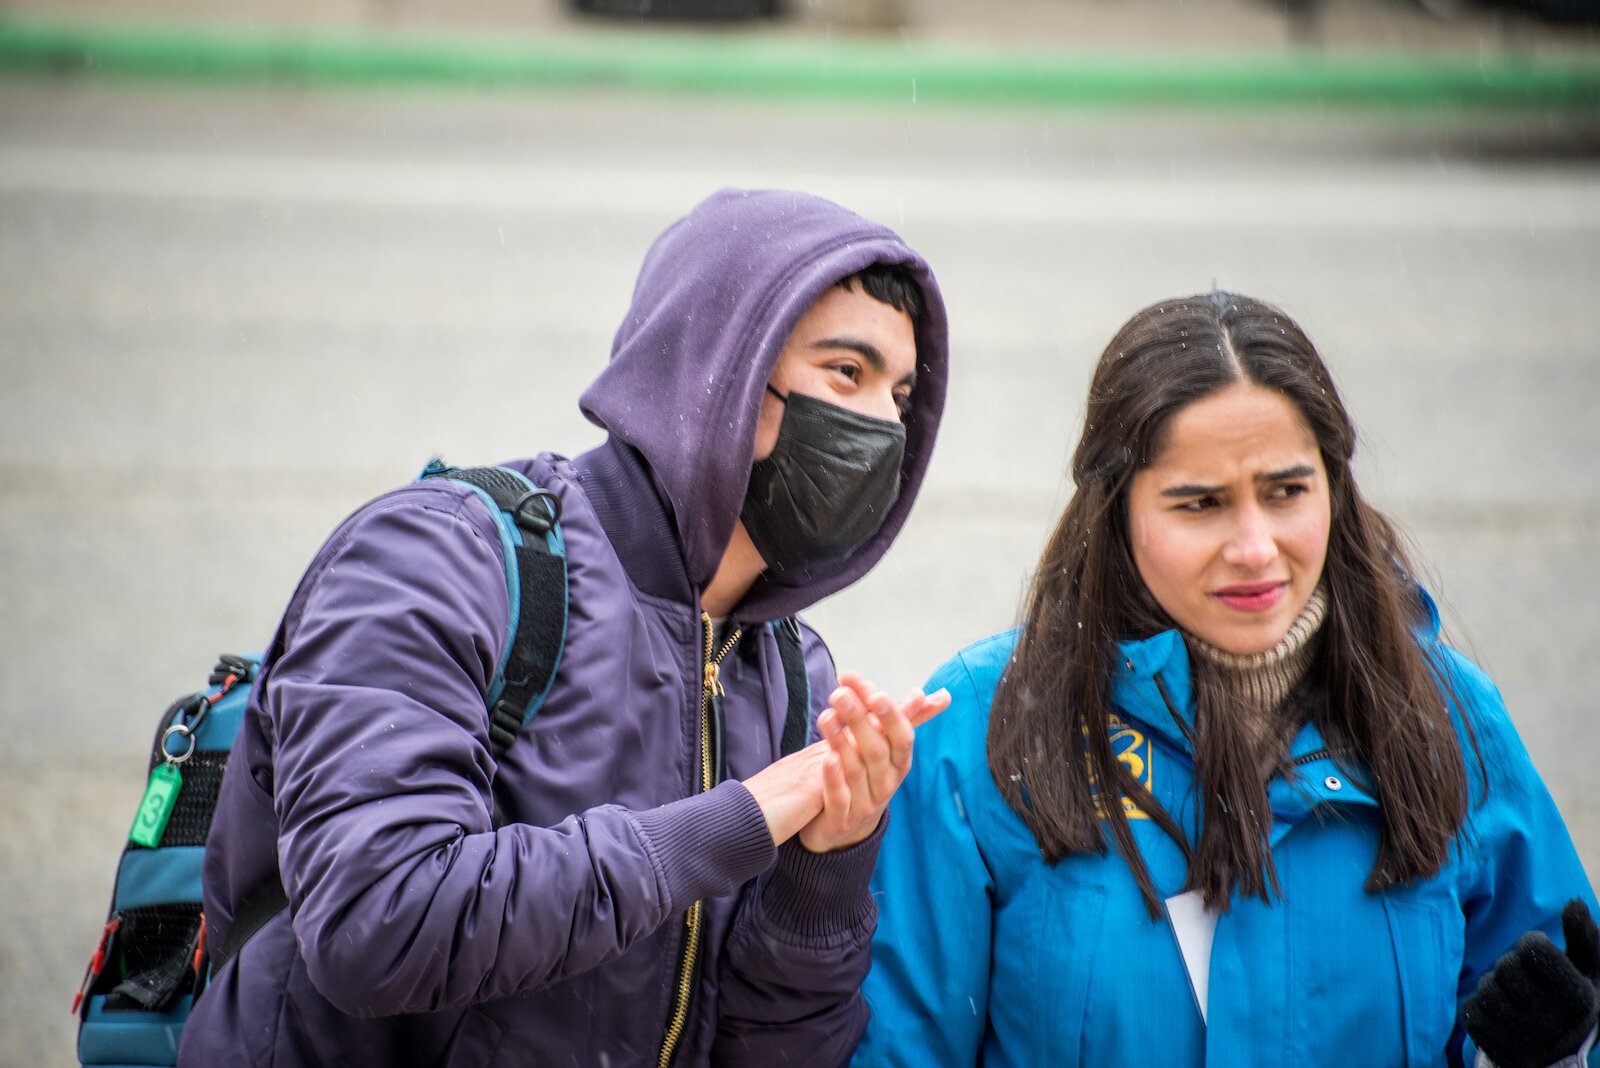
column 830, row 481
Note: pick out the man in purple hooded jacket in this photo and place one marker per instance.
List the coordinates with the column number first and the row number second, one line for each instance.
column 771, row 405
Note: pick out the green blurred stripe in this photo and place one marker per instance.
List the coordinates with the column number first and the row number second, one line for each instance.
column 740, row 64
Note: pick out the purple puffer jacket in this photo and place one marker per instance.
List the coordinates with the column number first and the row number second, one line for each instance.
column 419, row 934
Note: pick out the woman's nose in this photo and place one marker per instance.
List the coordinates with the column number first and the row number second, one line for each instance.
column 1251, row 545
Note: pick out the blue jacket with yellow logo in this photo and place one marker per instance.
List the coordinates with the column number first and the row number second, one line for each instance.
column 984, row 953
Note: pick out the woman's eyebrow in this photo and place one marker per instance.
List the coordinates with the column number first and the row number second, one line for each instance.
column 1191, row 489
column 1194, row 489
column 1297, row 471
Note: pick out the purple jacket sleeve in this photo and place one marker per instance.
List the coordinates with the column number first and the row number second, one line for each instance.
column 403, row 896
column 801, row 945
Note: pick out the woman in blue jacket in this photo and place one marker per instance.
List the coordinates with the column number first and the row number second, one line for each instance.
column 1225, row 797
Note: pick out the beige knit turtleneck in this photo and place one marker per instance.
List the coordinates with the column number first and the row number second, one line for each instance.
column 1260, row 681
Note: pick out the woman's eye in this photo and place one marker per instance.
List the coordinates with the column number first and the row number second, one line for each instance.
column 849, row 370
column 902, row 404
column 1288, row 491
column 1199, row 504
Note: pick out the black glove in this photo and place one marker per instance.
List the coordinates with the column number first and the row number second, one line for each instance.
column 1538, row 1004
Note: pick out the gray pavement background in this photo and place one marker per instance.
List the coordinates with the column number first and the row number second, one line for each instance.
column 228, row 316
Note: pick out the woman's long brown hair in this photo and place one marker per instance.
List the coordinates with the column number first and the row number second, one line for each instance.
column 1373, row 690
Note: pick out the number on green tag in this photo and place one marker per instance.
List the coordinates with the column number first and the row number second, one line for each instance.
column 160, row 797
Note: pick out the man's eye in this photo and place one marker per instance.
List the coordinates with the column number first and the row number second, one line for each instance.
column 902, row 403
column 849, row 370
column 1288, row 491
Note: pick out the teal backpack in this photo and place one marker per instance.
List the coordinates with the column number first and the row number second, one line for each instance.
column 152, row 960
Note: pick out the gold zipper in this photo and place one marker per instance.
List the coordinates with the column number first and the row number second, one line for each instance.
column 711, row 686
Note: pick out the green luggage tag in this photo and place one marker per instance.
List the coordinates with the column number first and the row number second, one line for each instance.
column 160, row 798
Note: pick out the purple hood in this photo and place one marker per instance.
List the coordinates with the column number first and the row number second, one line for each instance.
column 716, row 299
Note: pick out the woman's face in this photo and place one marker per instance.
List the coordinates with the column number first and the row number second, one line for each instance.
column 1230, row 522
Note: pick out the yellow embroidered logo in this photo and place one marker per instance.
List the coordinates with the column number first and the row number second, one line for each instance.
column 1137, row 754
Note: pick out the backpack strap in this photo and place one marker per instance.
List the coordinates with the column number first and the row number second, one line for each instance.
column 797, row 722
column 535, row 554
column 253, row 915
column 536, row 587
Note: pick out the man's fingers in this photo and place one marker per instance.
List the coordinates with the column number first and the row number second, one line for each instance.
column 869, row 735
column 839, row 739
column 900, row 734
column 882, row 733
column 856, row 685
column 849, row 705
column 828, row 723
column 932, row 705
column 919, row 708
column 835, row 787
column 844, row 743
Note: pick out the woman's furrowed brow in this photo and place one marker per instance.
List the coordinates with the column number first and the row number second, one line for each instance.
column 1298, row 471
column 1194, row 489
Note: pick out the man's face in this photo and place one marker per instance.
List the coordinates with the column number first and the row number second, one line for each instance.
column 847, row 349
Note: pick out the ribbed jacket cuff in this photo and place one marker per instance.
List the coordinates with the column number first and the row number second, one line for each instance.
column 820, row 895
column 707, row 845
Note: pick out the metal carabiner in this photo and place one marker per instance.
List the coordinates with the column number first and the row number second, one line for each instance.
column 166, row 753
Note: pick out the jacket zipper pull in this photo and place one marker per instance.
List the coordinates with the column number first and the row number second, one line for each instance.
column 712, row 692
column 712, row 772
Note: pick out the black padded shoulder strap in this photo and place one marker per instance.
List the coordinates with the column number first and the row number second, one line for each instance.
column 797, row 721
column 253, row 915
column 540, row 582
column 536, row 570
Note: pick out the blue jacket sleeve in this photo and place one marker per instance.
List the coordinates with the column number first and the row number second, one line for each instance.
column 928, row 989
column 792, row 969
column 403, row 896
column 1524, row 868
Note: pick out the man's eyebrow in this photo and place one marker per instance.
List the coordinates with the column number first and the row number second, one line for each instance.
column 1192, row 489
column 867, row 351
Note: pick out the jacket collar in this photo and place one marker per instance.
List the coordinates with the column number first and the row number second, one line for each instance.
column 1161, row 663
column 1152, row 684
column 619, row 487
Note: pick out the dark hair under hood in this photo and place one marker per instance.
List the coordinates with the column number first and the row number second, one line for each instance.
column 718, row 295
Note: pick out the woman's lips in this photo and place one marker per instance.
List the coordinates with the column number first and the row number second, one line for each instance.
column 1251, row 596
